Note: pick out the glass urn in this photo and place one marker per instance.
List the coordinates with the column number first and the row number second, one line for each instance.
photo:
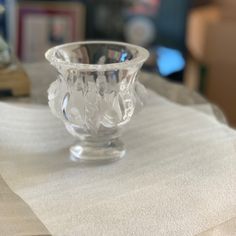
column 95, row 94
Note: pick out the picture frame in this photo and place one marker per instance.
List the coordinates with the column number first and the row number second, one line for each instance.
column 42, row 25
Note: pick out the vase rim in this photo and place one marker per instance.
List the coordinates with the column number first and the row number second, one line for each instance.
column 142, row 56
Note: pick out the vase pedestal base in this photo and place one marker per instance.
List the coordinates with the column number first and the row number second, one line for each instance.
column 98, row 152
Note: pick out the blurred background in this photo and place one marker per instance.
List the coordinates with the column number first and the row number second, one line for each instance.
column 192, row 42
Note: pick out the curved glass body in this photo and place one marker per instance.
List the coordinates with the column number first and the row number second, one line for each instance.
column 95, row 94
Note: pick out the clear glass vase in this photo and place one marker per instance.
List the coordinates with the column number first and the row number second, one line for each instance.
column 95, row 94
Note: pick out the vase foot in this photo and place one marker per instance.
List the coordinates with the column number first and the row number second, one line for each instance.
column 102, row 153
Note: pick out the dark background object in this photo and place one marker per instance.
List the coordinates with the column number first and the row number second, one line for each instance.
column 3, row 29
column 171, row 23
column 107, row 20
column 104, row 19
column 200, row 3
column 171, row 28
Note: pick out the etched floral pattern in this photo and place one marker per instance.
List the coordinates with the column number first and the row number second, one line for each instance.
column 95, row 99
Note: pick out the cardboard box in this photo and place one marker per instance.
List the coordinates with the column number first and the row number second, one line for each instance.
column 221, row 89
column 220, row 45
column 198, row 29
column 211, row 40
column 228, row 9
column 221, row 64
column 228, row 14
column 226, row 3
column 209, row 37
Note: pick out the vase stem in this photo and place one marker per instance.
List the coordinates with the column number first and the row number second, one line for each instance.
column 111, row 150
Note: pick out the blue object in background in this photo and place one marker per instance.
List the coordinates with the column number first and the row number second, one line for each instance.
column 169, row 61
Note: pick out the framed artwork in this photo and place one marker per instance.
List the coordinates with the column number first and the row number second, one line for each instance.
column 42, row 25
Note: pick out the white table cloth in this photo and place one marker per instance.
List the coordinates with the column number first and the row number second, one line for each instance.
column 178, row 178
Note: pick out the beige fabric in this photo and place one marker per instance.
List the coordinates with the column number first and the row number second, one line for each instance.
column 178, row 178
column 227, row 228
column 16, row 218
